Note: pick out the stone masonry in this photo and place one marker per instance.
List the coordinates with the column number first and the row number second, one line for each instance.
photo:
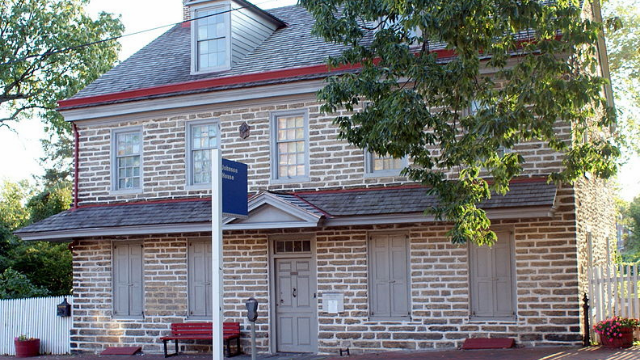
column 546, row 285
column 333, row 163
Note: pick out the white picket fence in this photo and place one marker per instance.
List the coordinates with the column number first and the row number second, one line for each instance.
column 35, row 317
column 614, row 291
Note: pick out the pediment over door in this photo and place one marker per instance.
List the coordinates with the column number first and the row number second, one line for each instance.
column 272, row 210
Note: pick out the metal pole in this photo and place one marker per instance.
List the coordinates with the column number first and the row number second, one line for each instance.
column 253, row 341
column 586, row 340
column 216, row 254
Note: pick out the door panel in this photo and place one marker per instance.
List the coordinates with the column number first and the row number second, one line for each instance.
column 295, row 304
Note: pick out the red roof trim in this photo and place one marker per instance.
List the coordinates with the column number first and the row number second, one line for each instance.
column 203, row 84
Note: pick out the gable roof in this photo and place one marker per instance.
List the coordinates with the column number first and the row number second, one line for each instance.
column 166, row 60
column 305, row 209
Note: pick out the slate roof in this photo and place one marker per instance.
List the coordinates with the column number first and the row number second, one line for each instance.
column 327, row 204
column 414, row 199
column 166, row 60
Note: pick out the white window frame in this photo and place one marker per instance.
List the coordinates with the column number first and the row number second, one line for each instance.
column 223, row 7
column 115, row 133
column 275, row 176
column 189, row 155
column 370, row 169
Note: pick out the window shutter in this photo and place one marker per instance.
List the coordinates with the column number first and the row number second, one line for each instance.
column 200, row 278
column 482, row 282
column 121, row 280
column 135, row 278
column 492, row 279
column 399, row 293
column 389, row 282
column 502, row 274
column 128, row 279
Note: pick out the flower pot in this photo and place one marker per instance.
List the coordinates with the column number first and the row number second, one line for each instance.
column 27, row 348
column 625, row 341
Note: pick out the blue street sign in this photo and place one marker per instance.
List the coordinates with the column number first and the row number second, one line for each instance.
column 234, row 189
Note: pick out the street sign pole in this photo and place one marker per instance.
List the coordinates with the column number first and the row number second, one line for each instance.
column 216, row 253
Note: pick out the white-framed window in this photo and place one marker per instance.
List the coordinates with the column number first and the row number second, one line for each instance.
column 389, row 282
column 211, row 40
column 128, row 287
column 127, row 159
column 290, row 148
column 202, row 136
column 377, row 165
column 492, row 279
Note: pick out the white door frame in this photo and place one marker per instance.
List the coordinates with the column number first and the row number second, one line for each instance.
column 273, row 341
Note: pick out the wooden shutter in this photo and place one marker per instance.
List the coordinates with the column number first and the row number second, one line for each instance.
column 492, row 279
column 200, row 278
column 389, row 277
column 127, row 279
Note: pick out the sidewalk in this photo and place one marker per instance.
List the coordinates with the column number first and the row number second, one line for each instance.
column 538, row 353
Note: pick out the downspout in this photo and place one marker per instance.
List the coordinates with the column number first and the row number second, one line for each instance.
column 76, row 163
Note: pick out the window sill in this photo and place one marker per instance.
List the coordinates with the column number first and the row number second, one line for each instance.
column 485, row 319
column 290, row 180
column 389, row 319
column 126, row 317
column 380, row 174
column 206, row 186
column 211, row 70
column 126, row 192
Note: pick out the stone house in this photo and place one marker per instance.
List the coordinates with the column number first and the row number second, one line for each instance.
column 327, row 221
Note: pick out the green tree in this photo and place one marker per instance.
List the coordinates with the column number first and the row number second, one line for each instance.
column 44, row 56
column 419, row 102
column 33, row 266
column 14, row 285
column 631, row 220
column 623, row 45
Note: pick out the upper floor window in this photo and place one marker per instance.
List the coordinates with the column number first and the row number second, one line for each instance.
column 290, row 160
column 211, row 45
column 127, row 161
column 379, row 165
column 203, row 136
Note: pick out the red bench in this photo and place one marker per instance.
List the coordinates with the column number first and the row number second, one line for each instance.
column 203, row 331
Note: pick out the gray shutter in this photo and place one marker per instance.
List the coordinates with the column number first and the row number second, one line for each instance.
column 389, row 276
column 399, row 293
column 492, row 279
column 121, row 280
column 502, row 273
column 200, row 278
column 135, row 278
column 482, row 281
column 127, row 279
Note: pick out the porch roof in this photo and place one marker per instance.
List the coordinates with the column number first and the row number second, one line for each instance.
column 526, row 199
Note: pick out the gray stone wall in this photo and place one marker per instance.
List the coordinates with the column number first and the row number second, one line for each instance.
column 333, row 163
column 546, row 281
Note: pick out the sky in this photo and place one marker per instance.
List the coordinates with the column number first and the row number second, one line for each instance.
column 21, row 149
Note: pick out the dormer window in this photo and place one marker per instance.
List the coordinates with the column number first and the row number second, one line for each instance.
column 211, row 40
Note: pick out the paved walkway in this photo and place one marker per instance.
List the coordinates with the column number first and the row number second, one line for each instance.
column 539, row 353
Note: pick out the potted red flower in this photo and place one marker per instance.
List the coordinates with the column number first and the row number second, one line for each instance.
column 616, row 332
column 26, row 346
